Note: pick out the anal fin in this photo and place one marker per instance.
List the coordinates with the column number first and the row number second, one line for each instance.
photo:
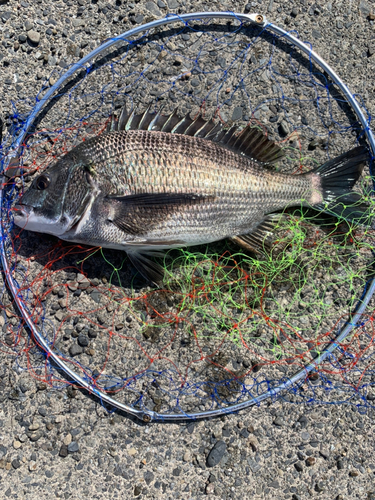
column 262, row 240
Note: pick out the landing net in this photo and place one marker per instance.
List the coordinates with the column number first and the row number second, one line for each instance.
column 226, row 329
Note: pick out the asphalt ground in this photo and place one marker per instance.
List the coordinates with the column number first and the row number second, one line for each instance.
column 57, row 441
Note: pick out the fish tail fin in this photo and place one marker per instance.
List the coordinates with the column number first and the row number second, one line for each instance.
column 333, row 183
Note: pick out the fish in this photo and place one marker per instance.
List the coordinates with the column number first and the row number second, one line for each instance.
column 151, row 182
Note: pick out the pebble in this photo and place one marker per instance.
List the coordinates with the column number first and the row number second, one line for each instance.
column 173, row 4
column 176, row 472
column 16, row 445
column 319, row 487
column 316, row 34
column 284, row 128
column 33, row 36
column 244, row 433
column 190, row 427
column 83, row 341
column 298, row 466
column 32, row 466
column 152, row 8
column 305, row 436
column 73, row 447
column 137, row 490
column 78, row 22
column 216, row 453
column 237, row 113
column 148, row 477
column 35, row 436
column 82, row 282
column 60, row 315
column 63, row 451
column 210, row 488
column 97, row 296
column 51, row 62
column 364, row 8
column 279, row 421
column 34, row 426
column 75, row 350
column 303, row 421
column 67, row 439
column 16, row 464
column 254, row 466
column 28, row 25
column 92, row 333
column 42, row 411
column 132, row 452
column 187, row 457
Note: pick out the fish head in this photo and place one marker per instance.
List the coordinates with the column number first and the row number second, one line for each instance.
column 56, row 199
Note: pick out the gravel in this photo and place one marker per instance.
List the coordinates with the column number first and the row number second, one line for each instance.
column 216, row 454
column 63, row 440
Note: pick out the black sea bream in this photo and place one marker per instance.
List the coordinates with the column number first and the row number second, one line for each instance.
column 153, row 182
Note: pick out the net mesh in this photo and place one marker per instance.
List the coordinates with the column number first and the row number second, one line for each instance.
column 225, row 326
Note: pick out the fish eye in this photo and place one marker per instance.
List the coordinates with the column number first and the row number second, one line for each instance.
column 42, row 182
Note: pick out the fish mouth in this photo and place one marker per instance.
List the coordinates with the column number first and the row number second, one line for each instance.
column 20, row 212
column 27, row 217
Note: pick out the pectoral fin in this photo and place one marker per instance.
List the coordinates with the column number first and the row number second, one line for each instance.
column 138, row 214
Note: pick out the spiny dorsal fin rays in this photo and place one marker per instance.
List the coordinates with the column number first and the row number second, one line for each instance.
column 112, row 126
column 250, row 141
column 172, row 120
column 146, row 119
column 210, row 128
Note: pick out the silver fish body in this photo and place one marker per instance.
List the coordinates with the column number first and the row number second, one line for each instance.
column 230, row 194
column 144, row 190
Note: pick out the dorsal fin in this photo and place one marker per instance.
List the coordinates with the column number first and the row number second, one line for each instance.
column 250, row 141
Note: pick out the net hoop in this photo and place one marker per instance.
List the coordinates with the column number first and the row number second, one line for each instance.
column 84, row 63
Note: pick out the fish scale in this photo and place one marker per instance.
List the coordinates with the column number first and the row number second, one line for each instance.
column 143, row 191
